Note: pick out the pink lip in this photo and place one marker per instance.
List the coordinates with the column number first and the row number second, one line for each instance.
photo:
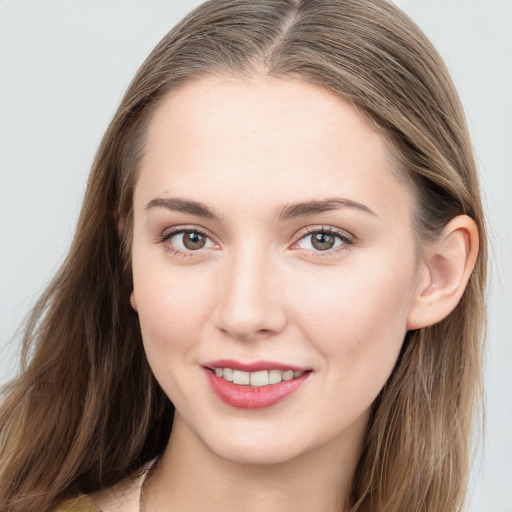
column 254, row 366
column 249, row 397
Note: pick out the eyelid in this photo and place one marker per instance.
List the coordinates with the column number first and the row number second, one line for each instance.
column 348, row 240
column 174, row 230
column 322, row 228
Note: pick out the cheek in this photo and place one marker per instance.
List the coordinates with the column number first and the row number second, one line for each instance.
column 171, row 314
column 358, row 319
column 171, row 310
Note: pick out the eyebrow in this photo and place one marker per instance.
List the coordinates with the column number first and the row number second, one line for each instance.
column 285, row 212
column 184, row 206
column 309, row 208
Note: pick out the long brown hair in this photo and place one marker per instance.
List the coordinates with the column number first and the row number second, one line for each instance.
column 85, row 411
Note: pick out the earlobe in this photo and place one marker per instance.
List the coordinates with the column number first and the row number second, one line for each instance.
column 133, row 301
column 448, row 264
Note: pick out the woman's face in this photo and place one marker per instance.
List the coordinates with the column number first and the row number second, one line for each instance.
column 272, row 241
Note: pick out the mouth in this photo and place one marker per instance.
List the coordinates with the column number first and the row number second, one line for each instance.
column 256, row 379
column 254, row 385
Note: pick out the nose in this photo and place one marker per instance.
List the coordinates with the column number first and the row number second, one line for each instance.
column 251, row 299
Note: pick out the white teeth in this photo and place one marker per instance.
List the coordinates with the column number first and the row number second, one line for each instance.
column 288, row 375
column 240, row 377
column 256, row 379
column 275, row 376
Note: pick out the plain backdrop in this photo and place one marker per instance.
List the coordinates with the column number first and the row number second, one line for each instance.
column 63, row 68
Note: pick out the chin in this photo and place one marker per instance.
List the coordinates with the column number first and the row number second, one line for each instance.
column 270, row 454
column 253, row 447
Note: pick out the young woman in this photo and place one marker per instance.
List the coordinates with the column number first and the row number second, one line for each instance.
column 274, row 298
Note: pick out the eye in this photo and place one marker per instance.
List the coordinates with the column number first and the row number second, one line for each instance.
column 187, row 240
column 324, row 240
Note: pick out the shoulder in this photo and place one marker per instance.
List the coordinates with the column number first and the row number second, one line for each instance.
column 122, row 497
column 81, row 504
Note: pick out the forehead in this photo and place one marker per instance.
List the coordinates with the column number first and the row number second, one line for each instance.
column 265, row 138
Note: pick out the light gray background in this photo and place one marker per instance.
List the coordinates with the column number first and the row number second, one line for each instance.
column 63, row 68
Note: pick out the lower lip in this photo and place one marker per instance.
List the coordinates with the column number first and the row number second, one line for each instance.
column 251, row 397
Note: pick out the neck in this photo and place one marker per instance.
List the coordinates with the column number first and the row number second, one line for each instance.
column 190, row 477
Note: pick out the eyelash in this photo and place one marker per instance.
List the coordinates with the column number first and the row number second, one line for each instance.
column 347, row 240
column 167, row 235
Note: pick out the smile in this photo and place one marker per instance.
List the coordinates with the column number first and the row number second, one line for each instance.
column 254, row 385
column 256, row 379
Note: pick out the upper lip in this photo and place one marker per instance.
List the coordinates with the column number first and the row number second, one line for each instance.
column 253, row 366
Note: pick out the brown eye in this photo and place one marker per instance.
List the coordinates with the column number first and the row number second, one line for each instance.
column 325, row 240
column 193, row 240
column 322, row 241
column 188, row 240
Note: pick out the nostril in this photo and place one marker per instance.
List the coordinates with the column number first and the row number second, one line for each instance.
column 247, row 335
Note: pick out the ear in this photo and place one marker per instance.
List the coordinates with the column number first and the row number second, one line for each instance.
column 447, row 265
column 133, row 301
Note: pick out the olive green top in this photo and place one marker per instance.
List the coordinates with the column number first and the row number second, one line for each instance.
column 81, row 504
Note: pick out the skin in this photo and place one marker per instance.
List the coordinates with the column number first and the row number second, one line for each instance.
column 259, row 289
